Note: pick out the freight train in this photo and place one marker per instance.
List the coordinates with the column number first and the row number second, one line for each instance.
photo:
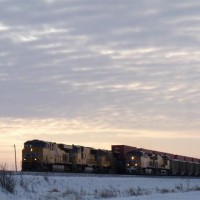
column 38, row 155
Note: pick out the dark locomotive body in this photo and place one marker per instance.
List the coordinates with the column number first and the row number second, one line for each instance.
column 39, row 155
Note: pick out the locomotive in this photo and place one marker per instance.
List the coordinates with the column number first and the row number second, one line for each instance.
column 38, row 155
column 140, row 162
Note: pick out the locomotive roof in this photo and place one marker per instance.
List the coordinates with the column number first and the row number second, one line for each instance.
column 137, row 152
column 36, row 141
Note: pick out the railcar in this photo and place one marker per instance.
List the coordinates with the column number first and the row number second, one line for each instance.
column 183, row 168
column 175, row 167
column 196, row 169
column 190, row 168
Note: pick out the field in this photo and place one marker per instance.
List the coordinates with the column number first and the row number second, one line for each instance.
column 87, row 187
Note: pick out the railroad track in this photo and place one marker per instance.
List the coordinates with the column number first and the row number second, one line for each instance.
column 101, row 175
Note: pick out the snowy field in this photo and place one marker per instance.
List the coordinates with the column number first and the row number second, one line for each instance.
column 78, row 187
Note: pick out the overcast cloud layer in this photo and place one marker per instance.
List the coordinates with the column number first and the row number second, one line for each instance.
column 104, row 68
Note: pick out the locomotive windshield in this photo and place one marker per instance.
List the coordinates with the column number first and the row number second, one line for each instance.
column 135, row 153
column 35, row 143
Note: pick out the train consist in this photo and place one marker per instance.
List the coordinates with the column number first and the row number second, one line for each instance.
column 38, row 155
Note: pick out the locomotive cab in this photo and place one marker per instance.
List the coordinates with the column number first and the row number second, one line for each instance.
column 137, row 162
column 32, row 155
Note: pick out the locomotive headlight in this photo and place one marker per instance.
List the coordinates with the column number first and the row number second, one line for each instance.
column 132, row 158
column 35, row 159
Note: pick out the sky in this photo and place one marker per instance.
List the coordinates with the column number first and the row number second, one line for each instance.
column 97, row 73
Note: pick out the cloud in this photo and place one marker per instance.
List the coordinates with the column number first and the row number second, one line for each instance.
column 3, row 27
column 120, row 67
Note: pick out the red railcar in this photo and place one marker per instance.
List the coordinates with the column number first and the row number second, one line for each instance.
column 196, row 160
column 179, row 157
column 188, row 159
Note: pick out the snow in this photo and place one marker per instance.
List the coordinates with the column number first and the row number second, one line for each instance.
column 81, row 187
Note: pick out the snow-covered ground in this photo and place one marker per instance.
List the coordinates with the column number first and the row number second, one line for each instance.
column 76, row 187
